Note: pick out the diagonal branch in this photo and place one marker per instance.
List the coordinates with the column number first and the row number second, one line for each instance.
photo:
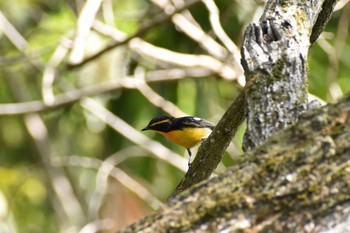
column 322, row 19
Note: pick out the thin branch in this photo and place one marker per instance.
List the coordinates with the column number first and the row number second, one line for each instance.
column 185, row 60
column 109, row 31
column 177, row 74
column 49, row 74
column 17, row 40
column 136, row 187
column 219, row 31
column 106, row 169
column 108, row 14
column 322, row 19
column 85, row 20
column 12, row 34
column 341, row 4
column 203, row 39
column 156, row 99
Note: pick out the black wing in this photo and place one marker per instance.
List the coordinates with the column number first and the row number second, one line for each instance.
column 193, row 122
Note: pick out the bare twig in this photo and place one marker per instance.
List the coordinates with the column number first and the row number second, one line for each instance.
column 219, row 31
column 197, row 34
column 85, row 20
column 341, row 4
column 133, row 186
column 156, row 99
column 106, row 169
column 186, row 23
column 12, row 34
column 107, row 10
column 17, row 40
column 50, row 72
column 185, row 60
column 109, row 31
column 177, row 73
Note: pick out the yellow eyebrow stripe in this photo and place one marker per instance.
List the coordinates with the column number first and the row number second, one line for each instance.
column 159, row 122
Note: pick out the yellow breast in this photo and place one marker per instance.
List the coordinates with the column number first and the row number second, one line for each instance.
column 187, row 137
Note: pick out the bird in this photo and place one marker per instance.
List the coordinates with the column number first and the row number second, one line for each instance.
column 185, row 131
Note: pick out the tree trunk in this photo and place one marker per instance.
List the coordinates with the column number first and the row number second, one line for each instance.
column 277, row 49
column 298, row 181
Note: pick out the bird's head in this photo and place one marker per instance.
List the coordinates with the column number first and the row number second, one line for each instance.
column 160, row 123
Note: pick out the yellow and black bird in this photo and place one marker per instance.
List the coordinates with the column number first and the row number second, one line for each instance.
column 185, row 131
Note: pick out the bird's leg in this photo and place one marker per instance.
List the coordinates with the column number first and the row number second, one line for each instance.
column 189, row 157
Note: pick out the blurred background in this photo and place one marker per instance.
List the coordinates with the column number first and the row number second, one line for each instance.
column 80, row 79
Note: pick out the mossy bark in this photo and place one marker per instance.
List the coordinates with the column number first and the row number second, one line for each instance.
column 295, row 175
column 277, row 48
column 297, row 181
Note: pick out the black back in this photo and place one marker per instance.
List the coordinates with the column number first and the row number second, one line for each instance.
column 169, row 123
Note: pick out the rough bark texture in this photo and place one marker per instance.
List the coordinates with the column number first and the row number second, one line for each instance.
column 277, row 47
column 298, row 181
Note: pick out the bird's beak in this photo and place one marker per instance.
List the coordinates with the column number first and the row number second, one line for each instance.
column 146, row 128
